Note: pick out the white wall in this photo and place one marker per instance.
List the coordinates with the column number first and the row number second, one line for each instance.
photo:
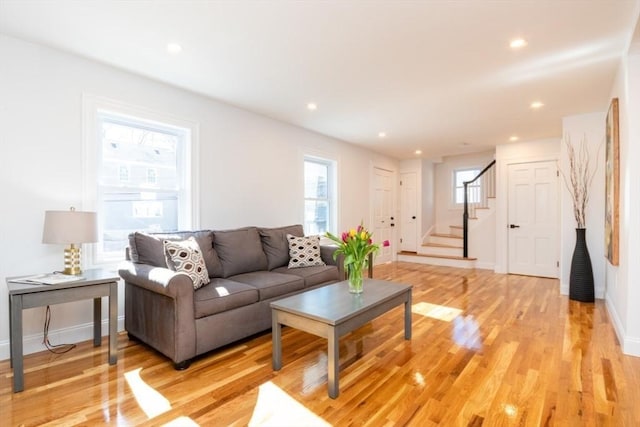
column 530, row 151
column 446, row 212
column 428, row 198
column 250, row 166
column 622, row 290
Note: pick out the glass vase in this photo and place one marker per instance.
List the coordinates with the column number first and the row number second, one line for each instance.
column 354, row 274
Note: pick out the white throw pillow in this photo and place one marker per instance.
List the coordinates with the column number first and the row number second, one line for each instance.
column 304, row 251
column 185, row 256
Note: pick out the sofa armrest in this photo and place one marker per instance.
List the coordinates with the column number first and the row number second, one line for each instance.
column 156, row 279
column 326, row 253
column 159, row 309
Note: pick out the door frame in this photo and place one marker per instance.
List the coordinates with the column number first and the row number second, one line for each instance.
column 502, row 206
column 394, row 202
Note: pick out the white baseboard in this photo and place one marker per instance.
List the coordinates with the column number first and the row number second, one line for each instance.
column 630, row 345
column 485, row 265
column 78, row 333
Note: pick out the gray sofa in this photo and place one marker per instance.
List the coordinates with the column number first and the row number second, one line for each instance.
column 248, row 268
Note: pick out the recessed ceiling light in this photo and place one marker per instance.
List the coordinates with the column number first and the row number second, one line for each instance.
column 418, row 152
column 518, row 43
column 174, row 48
column 536, row 104
column 514, row 138
column 312, row 106
column 382, row 135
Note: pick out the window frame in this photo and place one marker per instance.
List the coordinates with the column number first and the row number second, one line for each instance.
column 188, row 209
column 454, row 187
column 331, row 199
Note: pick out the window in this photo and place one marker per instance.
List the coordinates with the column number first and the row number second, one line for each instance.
column 138, row 174
column 319, row 195
column 459, row 178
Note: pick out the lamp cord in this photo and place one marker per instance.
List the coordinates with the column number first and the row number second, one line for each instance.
column 53, row 348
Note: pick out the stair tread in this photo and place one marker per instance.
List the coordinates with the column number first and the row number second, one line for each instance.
column 440, row 245
column 459, row 258
column 453, row 236
column 456, row 226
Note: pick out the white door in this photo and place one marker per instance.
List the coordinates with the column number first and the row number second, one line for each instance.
column 533, row 219
column 408, row 212
column 383, row 212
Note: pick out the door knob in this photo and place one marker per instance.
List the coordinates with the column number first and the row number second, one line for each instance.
column 413, row 217
column 393, row 225
column 513, row 226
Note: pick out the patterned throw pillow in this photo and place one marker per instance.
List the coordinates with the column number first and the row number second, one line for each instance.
column 185, row 256
column 304, row 251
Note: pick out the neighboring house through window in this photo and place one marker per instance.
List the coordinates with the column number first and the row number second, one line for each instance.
column 319, row 195
column 142, row 177
column 459, row 178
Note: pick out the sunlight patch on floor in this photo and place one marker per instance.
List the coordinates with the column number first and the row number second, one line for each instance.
column 275, row 407
column 435, row 311
column 150, row 401
column 181, row 422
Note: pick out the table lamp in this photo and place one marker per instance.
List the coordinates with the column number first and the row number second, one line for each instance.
column 70, row 228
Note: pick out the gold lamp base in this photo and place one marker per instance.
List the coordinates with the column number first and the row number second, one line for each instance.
column 72, row 260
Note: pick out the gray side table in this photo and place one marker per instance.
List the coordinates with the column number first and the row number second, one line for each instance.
column 96, row 283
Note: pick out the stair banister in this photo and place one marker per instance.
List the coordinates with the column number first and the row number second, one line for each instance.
column 465, row 215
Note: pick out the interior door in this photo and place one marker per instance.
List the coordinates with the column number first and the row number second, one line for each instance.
column 533, row 219
column 408, row 212
column 383, row 220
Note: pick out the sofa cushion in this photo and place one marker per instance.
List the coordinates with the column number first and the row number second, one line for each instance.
column 148, row 248
column 240, row 251
column 304, row 251
column 275, row 244
column 185, row 256
column 313, row 275
column 222, row 295
column 270, row 284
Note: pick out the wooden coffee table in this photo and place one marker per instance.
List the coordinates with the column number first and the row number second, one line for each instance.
column 331, row 311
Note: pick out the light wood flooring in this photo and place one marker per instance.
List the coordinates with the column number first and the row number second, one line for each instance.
column 544, row 360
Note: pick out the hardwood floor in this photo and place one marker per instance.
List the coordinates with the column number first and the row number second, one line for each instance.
column 544, row 360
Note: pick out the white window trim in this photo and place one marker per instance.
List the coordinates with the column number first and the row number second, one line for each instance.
column 332, row 187
column 454, row 204
column 92, row 105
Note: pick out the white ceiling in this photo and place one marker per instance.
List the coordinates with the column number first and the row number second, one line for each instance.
column 434, row 75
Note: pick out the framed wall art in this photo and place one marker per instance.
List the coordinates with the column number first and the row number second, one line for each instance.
column 612, row 185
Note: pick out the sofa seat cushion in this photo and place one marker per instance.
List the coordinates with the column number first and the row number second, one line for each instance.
column 222, row 295
column 270, row 284
column 313, row 275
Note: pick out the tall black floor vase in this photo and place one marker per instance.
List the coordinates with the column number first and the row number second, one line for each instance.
column 581, row 278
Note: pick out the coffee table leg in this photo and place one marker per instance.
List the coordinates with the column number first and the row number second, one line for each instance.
column 407, row 318
column 276, row 333
column 333, row 357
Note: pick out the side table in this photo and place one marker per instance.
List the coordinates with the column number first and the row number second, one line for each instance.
column 95, row 284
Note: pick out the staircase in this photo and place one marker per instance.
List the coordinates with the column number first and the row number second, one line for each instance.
column 448, row 249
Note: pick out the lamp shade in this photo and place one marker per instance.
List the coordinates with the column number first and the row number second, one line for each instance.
column 70, row 227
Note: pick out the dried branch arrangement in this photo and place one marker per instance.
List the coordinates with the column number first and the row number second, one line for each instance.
column 580, row 177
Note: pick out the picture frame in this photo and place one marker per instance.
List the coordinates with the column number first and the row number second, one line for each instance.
column 612, row 184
